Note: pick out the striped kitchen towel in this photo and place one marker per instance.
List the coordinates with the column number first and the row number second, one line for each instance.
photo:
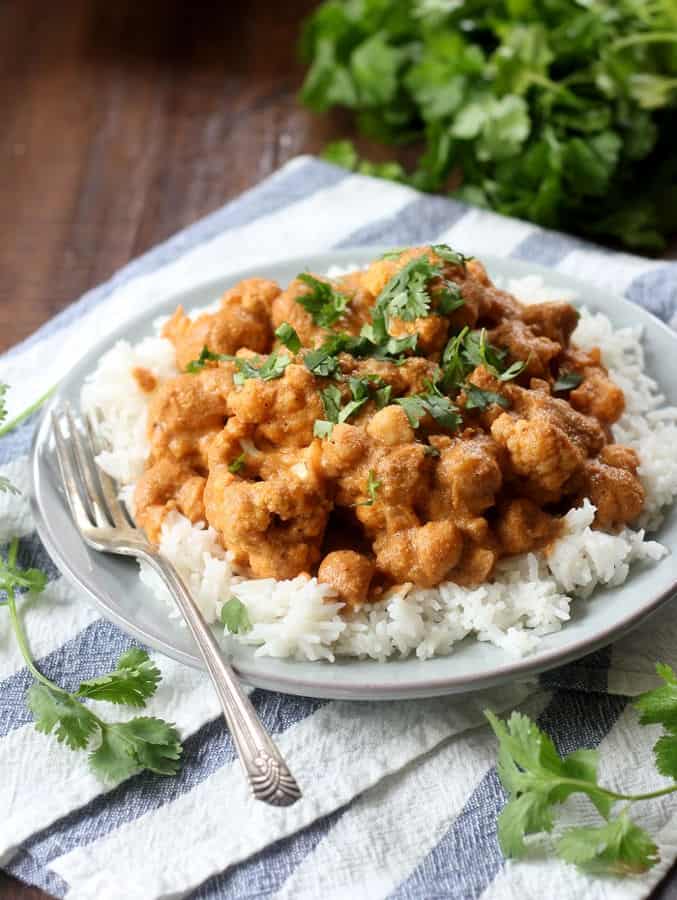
column 401, row 798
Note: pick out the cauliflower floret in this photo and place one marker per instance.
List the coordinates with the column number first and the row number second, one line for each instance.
column 425, row 554
column 273, row 528
column 242, row 321
column 616, row 492
column 349, row 573
column 539, row 452
column 283, row 409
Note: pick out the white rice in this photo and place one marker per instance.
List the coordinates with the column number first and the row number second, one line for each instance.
column 529, row 596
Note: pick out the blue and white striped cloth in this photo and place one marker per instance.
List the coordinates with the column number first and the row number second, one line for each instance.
column 401, row 798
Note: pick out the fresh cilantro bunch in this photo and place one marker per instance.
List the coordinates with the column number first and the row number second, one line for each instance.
column 561, row 112
column 116, row 750
column 538, row 780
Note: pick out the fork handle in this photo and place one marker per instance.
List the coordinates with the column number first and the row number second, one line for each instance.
column 269, row 777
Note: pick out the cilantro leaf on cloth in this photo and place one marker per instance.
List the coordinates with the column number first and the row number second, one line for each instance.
column 142, row 743
column 133, row 681
column 618, row 847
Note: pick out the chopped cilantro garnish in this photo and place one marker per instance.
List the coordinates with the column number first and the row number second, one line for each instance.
column 382, row 396
column 321, row 362
column 406, row 294
column 270, row 368
column 442, row 410
column 288, row 336
column 331, row 401
column 430, row 450
column 477, row 398
column 238, row 464
column 325, row 304
column 322, row 428
column 373, row 484
column 395, row 253
column 470, row 349
column 448, row 299
column 235, row 617
column 196, row 365
column 455, row 257
column 567, row 381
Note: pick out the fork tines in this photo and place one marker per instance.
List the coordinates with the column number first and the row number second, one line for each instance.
column 91, row 492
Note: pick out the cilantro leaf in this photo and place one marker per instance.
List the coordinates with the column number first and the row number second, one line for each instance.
column 659, row 706
column 536, row 779
column 272, row 367
column 56, row 711
column 321, row 362
column 373, row 484
column 238, row 464
column 325, row 304
column 360, row 389
column 618, row 847
column 567, row 381
column 393, row 254
column 665, row 754
column 405, row 296
column 132, row 682
column 197, row 365
column 142, row 743
column 477, row 351
column 382, row 396
column 455, row 257
column 288, row 336
column 322, row 428
column 448, row 299
column 331, row 401
column 235, row 617
column 477, row 398
column 442, row 410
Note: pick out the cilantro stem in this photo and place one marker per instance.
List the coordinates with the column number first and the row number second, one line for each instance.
column 21, row 640
column 655, row 37
column 17, row 627
column 17, row 420
column 614, row 795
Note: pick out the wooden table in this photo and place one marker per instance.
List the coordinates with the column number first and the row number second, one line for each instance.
column 124, row 122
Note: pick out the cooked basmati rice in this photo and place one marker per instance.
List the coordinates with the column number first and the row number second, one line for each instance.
column 529, row 595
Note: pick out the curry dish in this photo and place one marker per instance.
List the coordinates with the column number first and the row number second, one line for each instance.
column 405, row 423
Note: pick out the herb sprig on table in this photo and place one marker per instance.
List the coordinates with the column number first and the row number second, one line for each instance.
column 537, row 780
column 116, row 750
column 562, row 113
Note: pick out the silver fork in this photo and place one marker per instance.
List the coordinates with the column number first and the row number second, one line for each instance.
column 105, row 525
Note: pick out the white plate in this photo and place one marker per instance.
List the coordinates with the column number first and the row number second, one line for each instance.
column 112, row 583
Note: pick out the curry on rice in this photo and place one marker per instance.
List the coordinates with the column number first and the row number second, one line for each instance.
column 406, row 423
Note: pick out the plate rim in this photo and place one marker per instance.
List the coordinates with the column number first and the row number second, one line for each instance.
column 521, row 668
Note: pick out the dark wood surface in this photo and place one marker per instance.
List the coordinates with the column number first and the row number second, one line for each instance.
column 124, row 122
